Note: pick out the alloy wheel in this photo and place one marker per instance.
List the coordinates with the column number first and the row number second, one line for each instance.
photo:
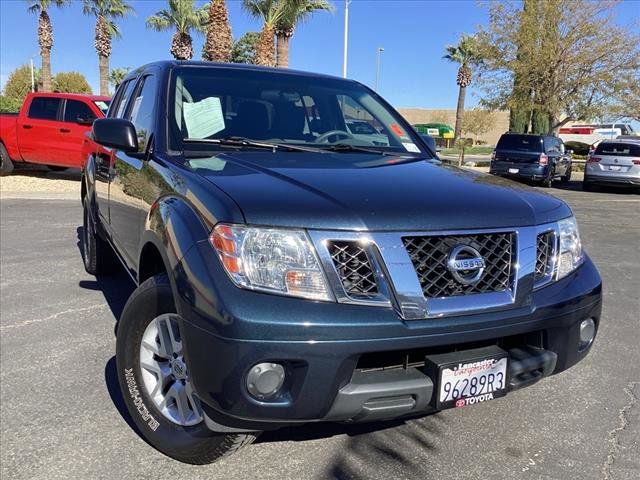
column 164, row 372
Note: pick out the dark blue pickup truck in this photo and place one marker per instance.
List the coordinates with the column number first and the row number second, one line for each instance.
column 290, row 272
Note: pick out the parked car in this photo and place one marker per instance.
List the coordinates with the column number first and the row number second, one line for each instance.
column 537, row 158
column 614, row 163
column 291, row 273
column 49, row 130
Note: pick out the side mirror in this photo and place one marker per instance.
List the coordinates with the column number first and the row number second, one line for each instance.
column 569, row 152
column 438, row 150
column 115, row 133
column 85, row 121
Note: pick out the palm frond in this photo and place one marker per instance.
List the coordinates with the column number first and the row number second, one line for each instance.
column 160, row 21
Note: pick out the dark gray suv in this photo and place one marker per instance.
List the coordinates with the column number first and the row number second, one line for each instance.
column 538, row 158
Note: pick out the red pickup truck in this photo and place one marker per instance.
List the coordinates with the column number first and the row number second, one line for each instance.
column 49, row 130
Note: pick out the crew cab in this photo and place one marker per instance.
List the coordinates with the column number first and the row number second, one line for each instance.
column 50, row 130
column 290, row 272
column 537, row 158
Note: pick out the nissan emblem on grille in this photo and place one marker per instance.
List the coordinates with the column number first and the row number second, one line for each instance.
column 466, row 264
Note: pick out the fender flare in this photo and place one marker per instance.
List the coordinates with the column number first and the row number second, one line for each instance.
column 172, row 226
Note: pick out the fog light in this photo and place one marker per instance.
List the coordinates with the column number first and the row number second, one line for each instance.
column 264, row 380
column 587, row 333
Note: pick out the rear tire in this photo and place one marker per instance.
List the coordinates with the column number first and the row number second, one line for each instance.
column 6, row 165
column 587, row 186
column 547, row 182
column 97, row 255
column 189, row 440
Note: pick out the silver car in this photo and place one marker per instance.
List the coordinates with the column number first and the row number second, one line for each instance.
column 615, row 163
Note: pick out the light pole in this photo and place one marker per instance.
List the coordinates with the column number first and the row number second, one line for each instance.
column 346, row 38
column 378, row 62
column 33, row 81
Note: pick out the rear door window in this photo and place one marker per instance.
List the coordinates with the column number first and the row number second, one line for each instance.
column 75, row 110
column 44, row 108
column 522, row 143
column 118, row 109
column 619, row 149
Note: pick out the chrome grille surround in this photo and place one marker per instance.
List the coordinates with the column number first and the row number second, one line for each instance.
column 398, row 282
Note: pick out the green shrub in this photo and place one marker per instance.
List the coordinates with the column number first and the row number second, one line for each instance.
column 9, row 105
column 578, row 148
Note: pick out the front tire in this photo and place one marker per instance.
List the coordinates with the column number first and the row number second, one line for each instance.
column 97, row 254
column 6, row 165
column 155, row 384
column 566, row 178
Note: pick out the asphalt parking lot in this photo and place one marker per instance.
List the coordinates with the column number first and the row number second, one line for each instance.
column 62, row 415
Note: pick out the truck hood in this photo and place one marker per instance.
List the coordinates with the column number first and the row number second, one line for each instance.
column 356, row 191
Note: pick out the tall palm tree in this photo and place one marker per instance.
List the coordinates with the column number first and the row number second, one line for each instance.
column 464, row 53
column 293, row 13
column 182, row 15
column 219, row 43
column 270, row 12
column 45, row 36
column 105, row 12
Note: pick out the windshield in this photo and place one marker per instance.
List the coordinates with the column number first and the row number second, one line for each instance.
column 523, row 143
column 103, row 105
column 283, row 108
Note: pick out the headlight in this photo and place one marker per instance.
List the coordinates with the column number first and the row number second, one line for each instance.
column 571, row 255
column 271, row 260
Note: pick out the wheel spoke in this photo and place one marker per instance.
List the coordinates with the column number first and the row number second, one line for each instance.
column 165, row 345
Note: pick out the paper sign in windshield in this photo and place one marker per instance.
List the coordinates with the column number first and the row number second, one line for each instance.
column 411, row 147
column 203, row 118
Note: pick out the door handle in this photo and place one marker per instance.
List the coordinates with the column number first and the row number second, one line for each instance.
column 65, row 130
column 27, row 126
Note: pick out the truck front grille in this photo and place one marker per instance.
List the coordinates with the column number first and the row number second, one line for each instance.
column 429, row 255
column 545, row 249
column 354, row 269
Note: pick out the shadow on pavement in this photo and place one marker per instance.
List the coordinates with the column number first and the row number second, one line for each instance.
column 393, row 443
column 116, row 288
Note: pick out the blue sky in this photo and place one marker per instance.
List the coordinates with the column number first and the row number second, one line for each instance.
column 412, row 32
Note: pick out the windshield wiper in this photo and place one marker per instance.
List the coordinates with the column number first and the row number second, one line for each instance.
column 345, row 147
column 247, row 142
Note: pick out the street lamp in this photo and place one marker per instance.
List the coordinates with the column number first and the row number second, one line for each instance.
column 378, row 62
column 346, row 38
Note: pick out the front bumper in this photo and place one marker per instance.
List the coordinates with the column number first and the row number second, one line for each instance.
column 323, row 345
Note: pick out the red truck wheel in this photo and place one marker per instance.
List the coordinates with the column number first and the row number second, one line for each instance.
column 6, row 165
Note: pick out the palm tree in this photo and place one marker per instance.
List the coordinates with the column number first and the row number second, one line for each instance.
column 294, row 12
column 117, row 75
column 105, row 12
column 182, row 15
column 45, row 36
column 219, row 41
column 465, row 54
column 270, row 12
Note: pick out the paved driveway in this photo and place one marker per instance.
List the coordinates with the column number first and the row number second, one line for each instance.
column 62, row 415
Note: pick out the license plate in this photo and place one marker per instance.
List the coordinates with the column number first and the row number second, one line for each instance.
column 474, row 376
column 615, row 168
column 514, row 170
